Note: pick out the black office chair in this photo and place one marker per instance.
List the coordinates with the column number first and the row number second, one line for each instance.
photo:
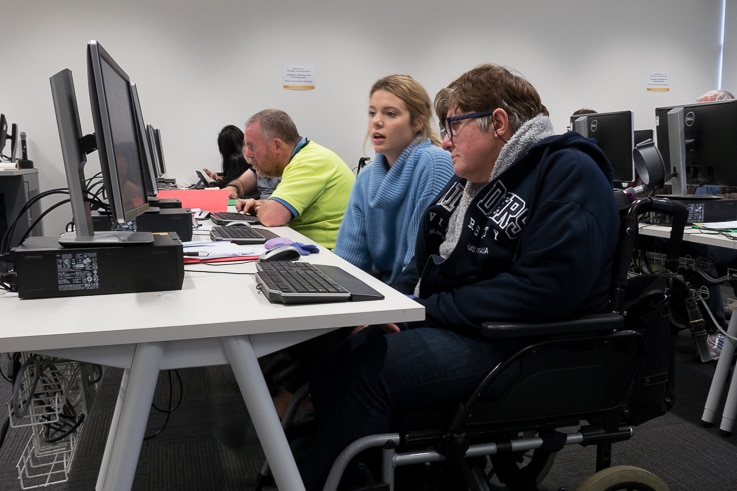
column 586, row 381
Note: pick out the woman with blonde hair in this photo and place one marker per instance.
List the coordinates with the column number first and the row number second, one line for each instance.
column 379, row 228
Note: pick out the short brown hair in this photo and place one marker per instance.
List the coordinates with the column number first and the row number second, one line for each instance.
column 489, row 86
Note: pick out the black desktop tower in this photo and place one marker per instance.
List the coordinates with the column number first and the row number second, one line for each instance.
column 46, row 269
column 177, row 220
column 707, row 208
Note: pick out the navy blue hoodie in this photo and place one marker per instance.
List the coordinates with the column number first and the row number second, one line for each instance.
column 537, row 241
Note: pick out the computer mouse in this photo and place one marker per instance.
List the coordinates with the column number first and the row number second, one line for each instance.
column 281, row 253
column 238, row 223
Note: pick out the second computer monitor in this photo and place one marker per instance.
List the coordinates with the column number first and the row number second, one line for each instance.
column 149, row 164
column 614, row 133
column 703, row 145
column 116, row 131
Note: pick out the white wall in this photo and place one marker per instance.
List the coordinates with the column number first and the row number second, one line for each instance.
column 729, row 74
column 201, row 65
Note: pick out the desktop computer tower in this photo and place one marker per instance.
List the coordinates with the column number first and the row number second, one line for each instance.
column 706, row 208
column 46, row 269
column 178, row 220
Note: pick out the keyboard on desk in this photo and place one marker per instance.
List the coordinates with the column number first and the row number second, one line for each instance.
column 241, row 234
column 225, row 217
column 297, row 282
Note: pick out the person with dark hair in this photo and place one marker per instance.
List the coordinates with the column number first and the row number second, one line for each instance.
column 514, row 236
column 230, row 145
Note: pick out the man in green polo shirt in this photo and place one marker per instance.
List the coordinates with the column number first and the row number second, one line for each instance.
column 315, row 182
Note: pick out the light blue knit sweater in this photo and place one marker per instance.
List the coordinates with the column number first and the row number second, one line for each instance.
column 379, row 228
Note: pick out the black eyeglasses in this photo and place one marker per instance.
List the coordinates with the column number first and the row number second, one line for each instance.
column 453, row 123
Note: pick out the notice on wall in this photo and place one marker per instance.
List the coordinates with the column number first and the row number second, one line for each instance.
column 658, row 82
column 298, row 77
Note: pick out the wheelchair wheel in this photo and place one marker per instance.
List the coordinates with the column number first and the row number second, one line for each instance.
column 623, row 477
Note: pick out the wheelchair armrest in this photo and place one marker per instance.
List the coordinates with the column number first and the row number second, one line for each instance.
column 587, row 324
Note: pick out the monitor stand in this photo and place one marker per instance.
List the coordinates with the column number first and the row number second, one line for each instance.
column 106, row 238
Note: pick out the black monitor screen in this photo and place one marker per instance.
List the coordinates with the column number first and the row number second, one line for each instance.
column 3, row 132
column 614, row 133
column 116, row 131
column 709, row 141
column 13, row 137
column 160, row 152
column 112, row 134
column 643, row 136
column 149, row 174
column 151, row 138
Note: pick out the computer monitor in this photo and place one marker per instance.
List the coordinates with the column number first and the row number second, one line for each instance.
column 117, row 145
column 614, row 133
column 153, row 148
column 116, row 129
column 13, row 137
column 3, row 132
column 698, row 143
column 149, row 174
column 160, row 152
column 6, row 137
column 643, row 136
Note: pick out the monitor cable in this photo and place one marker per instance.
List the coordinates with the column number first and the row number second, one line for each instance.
column 171, row 406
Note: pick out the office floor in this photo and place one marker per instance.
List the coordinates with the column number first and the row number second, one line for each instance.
column 209, row 444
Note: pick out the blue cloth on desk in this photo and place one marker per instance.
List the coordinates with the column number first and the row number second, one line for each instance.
column 304, row 249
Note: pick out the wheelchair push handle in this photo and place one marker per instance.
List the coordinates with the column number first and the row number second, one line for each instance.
column 665, row 206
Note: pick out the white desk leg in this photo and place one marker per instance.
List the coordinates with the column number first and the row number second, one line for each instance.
column 113, row 429
column 719, row 381
column 134, row 411
column 247, row 371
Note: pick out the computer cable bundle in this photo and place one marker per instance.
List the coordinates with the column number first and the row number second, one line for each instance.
column 7, row 240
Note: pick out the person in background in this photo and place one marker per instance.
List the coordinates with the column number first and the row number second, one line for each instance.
column 251, row 185
column 230, row 145
column 315, row 182
column 505, row 240
column 380, row 224
column 715, row 95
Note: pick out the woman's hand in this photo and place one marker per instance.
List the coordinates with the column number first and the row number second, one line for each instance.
column 213, row 175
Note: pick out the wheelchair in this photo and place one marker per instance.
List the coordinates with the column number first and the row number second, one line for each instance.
column 586, row 381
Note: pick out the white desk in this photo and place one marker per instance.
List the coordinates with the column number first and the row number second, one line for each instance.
column 697, row 236
column 144, row 333
column 721, row 374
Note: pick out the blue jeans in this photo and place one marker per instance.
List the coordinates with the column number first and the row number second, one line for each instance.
column 362, row 382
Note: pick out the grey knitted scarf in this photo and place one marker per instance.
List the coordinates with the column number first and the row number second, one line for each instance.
column 534, row 130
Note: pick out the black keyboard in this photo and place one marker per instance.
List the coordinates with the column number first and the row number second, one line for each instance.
column 225, row 217
column 241, row 234
column 292, row 282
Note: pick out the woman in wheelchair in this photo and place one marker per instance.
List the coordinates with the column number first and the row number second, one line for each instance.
column 524, row 231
